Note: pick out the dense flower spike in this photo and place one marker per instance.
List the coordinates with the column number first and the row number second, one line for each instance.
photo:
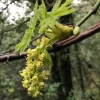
column 36, row 71
column 39, row 61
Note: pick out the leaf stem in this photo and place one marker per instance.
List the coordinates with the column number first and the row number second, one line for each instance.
column 92, row 11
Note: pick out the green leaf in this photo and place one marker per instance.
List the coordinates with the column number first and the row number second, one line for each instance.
column 56, row 6
column 63, row 9
column 52, row 16
column 25, row 41
column 42, row 11
column 46, row 20
column 33, row 20
column 67, row 3
column 49, row 60
column 29, row 32
column 66, row 12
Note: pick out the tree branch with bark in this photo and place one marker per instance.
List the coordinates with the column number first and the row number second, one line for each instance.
column 67, row 42
column 57, row 46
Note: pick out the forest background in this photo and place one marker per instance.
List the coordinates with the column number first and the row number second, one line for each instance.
column 81, row 60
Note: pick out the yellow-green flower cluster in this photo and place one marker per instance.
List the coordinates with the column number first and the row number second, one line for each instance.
column 36, row 71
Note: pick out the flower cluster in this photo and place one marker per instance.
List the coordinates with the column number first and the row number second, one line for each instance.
column 36, row 70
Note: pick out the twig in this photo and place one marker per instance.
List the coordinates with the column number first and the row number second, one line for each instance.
column 12, row 57
column 15, row 26
column 92, row 11
column 7, row 6
column 96, row 84
column 6, row 52
column 94, row 29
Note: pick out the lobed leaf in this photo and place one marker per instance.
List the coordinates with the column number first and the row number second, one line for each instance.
column 45, row 23
column 56, row 6
column 42, row 11
column 61, row 10
column 66, row 12
column 29, row 32
column 46, row 19
column 25, row 41
column 64, row 8
column 67, row 3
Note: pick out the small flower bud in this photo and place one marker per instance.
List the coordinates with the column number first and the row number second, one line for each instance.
column 45, row 40
column 42, row 57
column 25, row 83
column 38, row 42
column 30, row 89
column 39, row 65
column 36, row 94
column 41, row 85
column 29, row 50
column 23, row 72
column 35, row 80
column 76, row 30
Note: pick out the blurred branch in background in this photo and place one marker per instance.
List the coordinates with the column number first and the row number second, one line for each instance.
column 12, row 1
column 92, row 11
column 17, row 26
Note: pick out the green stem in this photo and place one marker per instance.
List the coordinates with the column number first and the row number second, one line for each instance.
column 89, row 14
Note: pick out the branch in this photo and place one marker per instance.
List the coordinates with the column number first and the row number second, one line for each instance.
column 7, row 6
column 75, row 39
column 20, row 24
column 12, row 57
column 65, row 43
column 57, row 46
column 95, row 84
column 92, row 11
